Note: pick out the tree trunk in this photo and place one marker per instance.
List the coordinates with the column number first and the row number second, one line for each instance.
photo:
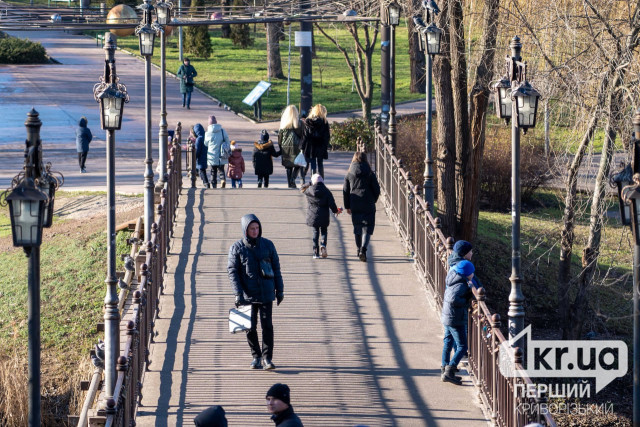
column 417, row 61
column 464, row 153
column 225, row 28
column 274, row 62
column 479, row 100
column 446, row 142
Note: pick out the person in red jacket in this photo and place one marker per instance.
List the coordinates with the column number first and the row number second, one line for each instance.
column 236, row 165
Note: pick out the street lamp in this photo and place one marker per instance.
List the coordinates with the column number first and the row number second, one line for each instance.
column 30, row 201
column 111, row 95
column 629, row 194
column 146, row 31
column 515, row 93
column 163, row 15
column 431, row 46
column 392, row 18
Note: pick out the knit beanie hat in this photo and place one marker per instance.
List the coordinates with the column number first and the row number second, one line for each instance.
column 264, row 135
column 462, row 247
column 279, row 391
column 316, row 178
column 212, row 120
column 464, row 268
column 211, row 417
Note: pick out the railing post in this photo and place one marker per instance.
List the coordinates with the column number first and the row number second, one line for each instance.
column 191, row 163
column 517, row 358
column 495, row 326
column 479, row 338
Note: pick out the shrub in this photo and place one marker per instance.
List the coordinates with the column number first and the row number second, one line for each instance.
column 112, row 3
column 410, row 146
column 19, row 51
column 197, row 40
column 241, row 35
column 344, row 135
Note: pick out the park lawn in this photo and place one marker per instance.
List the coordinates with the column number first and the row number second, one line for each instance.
column 231, row 72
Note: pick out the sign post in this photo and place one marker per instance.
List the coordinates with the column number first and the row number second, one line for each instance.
column 255, row 98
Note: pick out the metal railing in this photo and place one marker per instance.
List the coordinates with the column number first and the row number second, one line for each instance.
column 422, row 235
column 147, row 284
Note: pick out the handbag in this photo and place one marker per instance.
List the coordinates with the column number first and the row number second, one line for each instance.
column 266, row 270
column 240, row 319
column 300, row 160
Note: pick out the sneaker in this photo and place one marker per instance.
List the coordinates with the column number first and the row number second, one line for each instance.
column 256, row 364
column 363, row 255
column 83, row 171
column 267, row 364
column 316, row 254
column 323, row 251
column 223, row 184
column 188, row 108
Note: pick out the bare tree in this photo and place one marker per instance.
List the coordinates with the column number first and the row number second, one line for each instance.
column 274, row 62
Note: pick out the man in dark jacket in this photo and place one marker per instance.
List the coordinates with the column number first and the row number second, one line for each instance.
column 254, row 272
column 454, row 306
column 201, row 154
column 83, row 138
column 320, row 202
column 279, row 404
column 360, row 194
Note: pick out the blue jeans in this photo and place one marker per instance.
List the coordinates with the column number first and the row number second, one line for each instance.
column 186, row 99
column 233, row 182
column 458, row 335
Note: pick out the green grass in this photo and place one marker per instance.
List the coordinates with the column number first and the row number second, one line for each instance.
column 72, row 292
column 231, row 73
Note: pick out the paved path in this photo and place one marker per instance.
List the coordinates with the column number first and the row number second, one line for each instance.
column 357, row 343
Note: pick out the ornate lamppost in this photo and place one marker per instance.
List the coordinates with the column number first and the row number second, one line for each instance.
column 392, row 18
column 163, row 16
column 30, row 199
column 517, row 99
column 146, row 32
column 431, row 35
column 111, row 95
column 629, row 199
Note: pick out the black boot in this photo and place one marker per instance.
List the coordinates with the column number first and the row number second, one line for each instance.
column 259, row 183
column 454, row 370
column 363, row 254
column 316, row 252
column 449, row 376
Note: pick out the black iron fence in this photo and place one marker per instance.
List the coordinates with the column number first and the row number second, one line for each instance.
column 422, row 235
column 138, row 306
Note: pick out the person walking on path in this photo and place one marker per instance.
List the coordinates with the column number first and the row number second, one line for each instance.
column 254, row 272
column 360, row 194
column 201, row 153
column 83, row 139
column 186, row 73
column 218, row 148
column 289, row 143
column 320, row 201
column 315, row 139
column 279, row 405
column 236, row 165
column 263, row 154
column 454, row 306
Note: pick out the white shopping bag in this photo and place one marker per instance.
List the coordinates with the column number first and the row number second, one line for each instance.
column 300, row 160
column 240, row 319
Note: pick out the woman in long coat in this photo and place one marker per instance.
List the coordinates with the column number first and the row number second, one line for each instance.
column 186, row 73
column 315, row 139
column 289, row 143
column 360, row 192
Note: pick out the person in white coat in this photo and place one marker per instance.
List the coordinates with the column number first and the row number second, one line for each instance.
column 218, row 150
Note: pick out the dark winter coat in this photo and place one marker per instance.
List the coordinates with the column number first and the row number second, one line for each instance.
column 287, row 418
column 83, row 136
column 455, row 303
column 289, row 143
column 320, row 201
column 315, row 138
column 201, row 148
column 244, row 266
column 262, row 157
column 236, row 164
column 360, row 193
column 211, row 417
column 186, row 85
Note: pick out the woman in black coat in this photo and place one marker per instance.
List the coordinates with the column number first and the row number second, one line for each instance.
column 361, row 191
column 263, row 154
column 320, row 201
column 315, row 139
